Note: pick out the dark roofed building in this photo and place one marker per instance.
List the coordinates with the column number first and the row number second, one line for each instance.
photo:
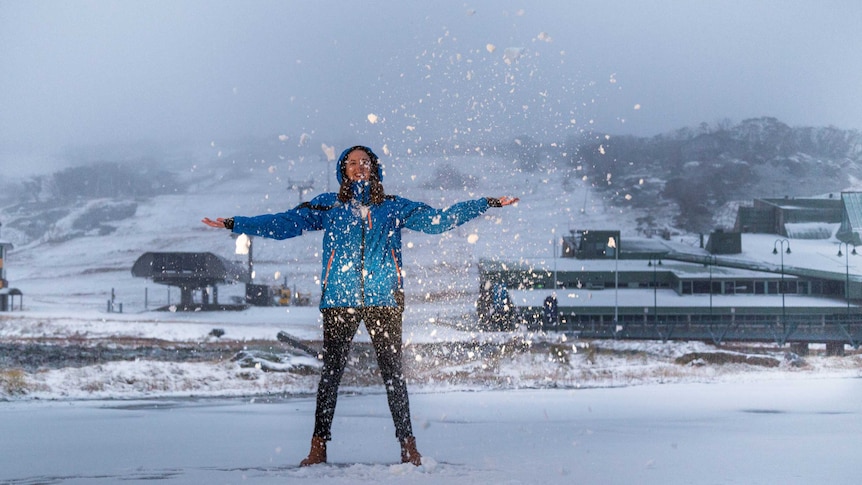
column 773, row 216
column 851, row 218
column 190, row 272
column 721, row 242
column 590, row 244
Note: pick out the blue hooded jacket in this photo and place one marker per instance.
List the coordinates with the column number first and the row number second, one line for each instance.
column 362, row 241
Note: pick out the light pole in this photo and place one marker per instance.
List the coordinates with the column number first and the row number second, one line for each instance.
column 555, row 259
column 846, row 255
column 782, row 242
column 244, row 245
column 711, row 262
column 612, row 243
column 655, row 266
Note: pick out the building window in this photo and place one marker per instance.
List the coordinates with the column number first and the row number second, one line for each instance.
column 759, row 287
column 744, row 287
column 816, row 287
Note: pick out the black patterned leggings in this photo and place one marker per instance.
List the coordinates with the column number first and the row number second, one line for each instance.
column 384, row 327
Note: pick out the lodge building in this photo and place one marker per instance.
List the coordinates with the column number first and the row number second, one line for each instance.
column 787, row 272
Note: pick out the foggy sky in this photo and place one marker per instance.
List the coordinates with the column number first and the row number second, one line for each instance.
column 78, row 72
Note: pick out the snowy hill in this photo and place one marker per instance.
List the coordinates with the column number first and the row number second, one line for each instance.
column 84, row 256
column 91, row 236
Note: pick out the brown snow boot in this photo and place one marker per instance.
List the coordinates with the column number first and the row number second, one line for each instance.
column 409, row 453
column 317, row 453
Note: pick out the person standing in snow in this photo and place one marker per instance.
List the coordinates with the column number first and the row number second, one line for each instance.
column 361, row 279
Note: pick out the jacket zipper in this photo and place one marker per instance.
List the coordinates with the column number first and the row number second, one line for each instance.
column 362, row 262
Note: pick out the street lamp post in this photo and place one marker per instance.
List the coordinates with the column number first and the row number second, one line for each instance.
column 846, row 255
column 613, row 244
column 654, row 263
column 775, row 246
column 555, row 260
column 711, row 264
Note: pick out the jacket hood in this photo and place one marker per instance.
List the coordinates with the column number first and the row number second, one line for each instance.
column 375, row 163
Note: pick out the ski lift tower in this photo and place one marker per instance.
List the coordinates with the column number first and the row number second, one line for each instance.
column 301, row 187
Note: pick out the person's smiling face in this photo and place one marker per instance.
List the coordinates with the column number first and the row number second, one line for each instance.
column 357, row 166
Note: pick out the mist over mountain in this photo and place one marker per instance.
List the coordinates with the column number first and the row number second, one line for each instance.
column 81, row 200
column 690, row 180
column 698, row 175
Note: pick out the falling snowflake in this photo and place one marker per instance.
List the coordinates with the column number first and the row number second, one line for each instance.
column 329, row 151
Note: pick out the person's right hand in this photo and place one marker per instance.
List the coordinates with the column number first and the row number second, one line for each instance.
column 506, row 200
column 501, row 201
column 219, row 222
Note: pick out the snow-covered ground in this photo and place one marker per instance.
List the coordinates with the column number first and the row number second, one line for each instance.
column 249, row 361
column 787, row 430
column 514, row 407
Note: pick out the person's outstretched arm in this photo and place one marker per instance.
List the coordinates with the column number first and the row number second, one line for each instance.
column 305, row 217
column 424, row 218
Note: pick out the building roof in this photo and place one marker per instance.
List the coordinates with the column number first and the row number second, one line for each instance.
column 816, row 258
column 188, row 269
